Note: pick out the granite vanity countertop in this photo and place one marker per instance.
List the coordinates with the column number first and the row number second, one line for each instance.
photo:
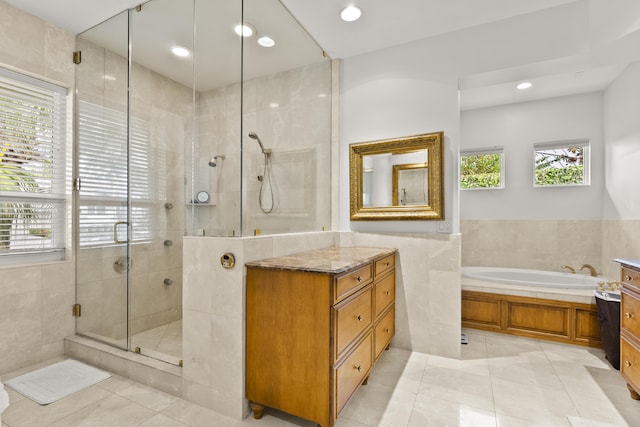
column 630, row 262
column 326, row 260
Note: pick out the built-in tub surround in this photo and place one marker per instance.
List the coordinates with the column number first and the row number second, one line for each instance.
column 553, row 306
column 532, row 278
column 427, row 303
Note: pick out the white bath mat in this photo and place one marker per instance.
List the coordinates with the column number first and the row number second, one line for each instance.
column 56, row 381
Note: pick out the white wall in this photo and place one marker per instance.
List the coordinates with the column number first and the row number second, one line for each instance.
column 516, row 127
column 622, row 136
column 388, row 94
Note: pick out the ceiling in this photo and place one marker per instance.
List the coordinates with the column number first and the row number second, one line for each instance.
column 387, row 23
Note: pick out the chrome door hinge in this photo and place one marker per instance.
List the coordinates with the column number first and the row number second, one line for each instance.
column 139, row 8
column 77, row 310
column 77, row 56
column 77, row 184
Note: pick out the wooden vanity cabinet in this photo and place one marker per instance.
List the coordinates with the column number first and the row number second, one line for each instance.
column 315, row 328
column 630, row 328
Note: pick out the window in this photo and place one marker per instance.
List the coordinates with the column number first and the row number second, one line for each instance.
column 561, row 163
column 32, row 169
column 102, row 167
column 482, row 168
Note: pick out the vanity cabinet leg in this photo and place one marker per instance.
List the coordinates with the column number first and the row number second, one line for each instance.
column 366, row 381
column 387, row 347
column 258, row 410
column 634, row 394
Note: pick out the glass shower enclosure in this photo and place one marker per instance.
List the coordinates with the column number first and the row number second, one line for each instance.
column 186, row 128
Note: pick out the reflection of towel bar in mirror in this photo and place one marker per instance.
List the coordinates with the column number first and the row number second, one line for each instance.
column 380, row 170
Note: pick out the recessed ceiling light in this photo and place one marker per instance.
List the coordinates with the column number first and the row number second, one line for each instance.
column 350, row 13
column 244, row 30
column 180, row 51
column 266, row 41
column 524, row 85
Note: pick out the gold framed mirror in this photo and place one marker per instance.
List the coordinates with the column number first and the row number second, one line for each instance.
column 397, row 179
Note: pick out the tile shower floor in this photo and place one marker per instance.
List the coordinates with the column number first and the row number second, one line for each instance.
column 163, row 340
column 499, row 381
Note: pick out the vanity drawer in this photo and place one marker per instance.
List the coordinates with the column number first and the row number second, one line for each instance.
column 385, row 264
column 385, row 291
column 631, row 277
column 352, row 372
column 384, row 331
column 351, row 282
column 630, row 362
column 630, row 312
column 352, row 319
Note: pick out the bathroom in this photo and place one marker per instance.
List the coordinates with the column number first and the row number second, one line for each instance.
column 590, row 228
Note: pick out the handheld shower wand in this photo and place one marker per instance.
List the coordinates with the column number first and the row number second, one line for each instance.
column 265, row 179
column 255, row 136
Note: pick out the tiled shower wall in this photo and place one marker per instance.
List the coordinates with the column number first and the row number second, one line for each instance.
column 291, row 113
column 165, row 107
column 548, row 244
column 35, row 301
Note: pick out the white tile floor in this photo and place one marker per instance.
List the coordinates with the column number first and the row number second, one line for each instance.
column 499, row 381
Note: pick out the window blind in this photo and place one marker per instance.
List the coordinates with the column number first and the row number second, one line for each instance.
column 102, row 166
column 32, row 166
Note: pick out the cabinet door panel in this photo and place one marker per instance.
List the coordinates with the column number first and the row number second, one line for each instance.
column 352, row 319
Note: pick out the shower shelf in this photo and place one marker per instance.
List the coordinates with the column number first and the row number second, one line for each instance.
column 201, row 204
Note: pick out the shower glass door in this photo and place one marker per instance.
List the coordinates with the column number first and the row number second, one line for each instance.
column 103, row 219
column 160, row 123
column 135, row 129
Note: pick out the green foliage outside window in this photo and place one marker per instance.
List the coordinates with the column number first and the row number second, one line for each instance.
column 560, row 166
column 480, row 171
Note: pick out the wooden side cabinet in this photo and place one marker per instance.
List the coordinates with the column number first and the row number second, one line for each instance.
column 630, row 326
column 316, row 324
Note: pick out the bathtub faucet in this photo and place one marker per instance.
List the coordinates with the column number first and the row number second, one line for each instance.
column 592, row 270
column 571, row 269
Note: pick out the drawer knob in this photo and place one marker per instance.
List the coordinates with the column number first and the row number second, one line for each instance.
column 627, row 364
column 628, row 315
column 387, row 330
column 359, row 318
column 627, row 278
column 387, row 264
column 358, row 368
column 359, row 278
column 387, row 293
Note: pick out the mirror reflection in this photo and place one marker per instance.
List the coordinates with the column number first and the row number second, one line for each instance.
column 410, row 184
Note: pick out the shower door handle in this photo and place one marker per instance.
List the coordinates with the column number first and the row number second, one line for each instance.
column 115, row 232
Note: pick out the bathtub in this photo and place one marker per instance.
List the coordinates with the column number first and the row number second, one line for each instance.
column 531, row 278
column 547, row 305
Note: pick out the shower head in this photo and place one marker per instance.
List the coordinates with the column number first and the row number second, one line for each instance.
column 254, row 135
column 214, row 160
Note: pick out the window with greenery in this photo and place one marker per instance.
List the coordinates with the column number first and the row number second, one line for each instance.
column 32, row 169
column 561, row 163
column 102, row 166
column 482, row 169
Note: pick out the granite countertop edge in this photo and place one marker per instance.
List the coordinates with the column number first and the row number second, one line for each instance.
column 630, row 262
column 313, row 261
